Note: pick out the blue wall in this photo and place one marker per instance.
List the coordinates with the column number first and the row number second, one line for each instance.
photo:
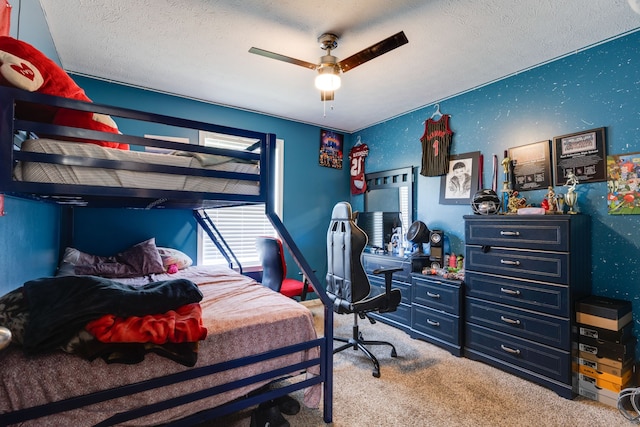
column 594, row 88
column 30, row 241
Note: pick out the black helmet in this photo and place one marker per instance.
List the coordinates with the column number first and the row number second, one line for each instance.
column 485, row 202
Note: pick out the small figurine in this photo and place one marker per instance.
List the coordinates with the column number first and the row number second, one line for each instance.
column 460, row 262
column 552, row 202
column 515, row 202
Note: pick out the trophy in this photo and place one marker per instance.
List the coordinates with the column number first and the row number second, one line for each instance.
column 571, row 199
column 560, row 199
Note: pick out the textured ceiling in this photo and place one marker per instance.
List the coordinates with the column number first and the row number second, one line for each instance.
column 199, row 48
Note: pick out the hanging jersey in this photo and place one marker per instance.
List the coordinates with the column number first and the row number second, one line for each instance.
column 436, row 145
column 356, row 168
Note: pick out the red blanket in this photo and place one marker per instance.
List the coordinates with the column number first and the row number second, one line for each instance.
column 175, row 326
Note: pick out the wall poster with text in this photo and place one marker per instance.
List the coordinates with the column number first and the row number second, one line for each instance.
column 531, row 166
column 582, row 154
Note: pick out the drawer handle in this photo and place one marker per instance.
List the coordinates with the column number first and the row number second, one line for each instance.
column 432, row 295
column 510, row 321
column 509, row 233
column 509, row 291
column 509, row 350
column 509, row 262
column 432, row 323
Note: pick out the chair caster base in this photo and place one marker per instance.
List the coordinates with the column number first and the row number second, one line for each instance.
column 268, row 414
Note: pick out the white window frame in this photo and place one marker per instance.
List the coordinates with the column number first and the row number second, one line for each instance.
column 226, row 219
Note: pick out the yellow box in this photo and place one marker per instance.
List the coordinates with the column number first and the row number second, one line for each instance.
column 593, row 373
column 620, row 372
column 608, row 385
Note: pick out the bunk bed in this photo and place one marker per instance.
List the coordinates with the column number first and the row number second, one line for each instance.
column 58, row 164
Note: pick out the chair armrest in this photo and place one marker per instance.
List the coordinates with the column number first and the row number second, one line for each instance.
column 388, row 273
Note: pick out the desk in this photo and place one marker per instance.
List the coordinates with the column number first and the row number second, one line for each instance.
column 401, row 318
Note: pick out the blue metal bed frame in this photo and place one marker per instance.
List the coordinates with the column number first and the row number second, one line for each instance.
column 96, row 196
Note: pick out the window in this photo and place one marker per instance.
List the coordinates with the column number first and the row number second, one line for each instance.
column 239, row 225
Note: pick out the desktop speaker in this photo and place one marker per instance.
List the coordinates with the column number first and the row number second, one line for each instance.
column 436, row 241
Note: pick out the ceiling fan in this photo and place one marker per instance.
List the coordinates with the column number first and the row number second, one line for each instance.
column 329, row 68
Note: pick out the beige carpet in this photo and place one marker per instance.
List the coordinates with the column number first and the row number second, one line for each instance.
column 427, row 386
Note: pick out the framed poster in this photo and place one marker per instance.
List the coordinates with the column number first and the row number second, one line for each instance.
column 623, row 184
column 331, row 149
column 531, row 166
column 459, row 185
column 581, row 153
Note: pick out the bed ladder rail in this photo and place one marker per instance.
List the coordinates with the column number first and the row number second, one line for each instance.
column 214, row 234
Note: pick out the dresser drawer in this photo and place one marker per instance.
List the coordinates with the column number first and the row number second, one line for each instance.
column 542, row 328
column 524, row 264
column 541, row 359
column 552, row 235
column 402, row 316
column 436, row 294
column 544, row 297
column 405, row 288
column 435, row 324
column 373, row 262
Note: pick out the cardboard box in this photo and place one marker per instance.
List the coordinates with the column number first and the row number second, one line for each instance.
column 619, row 364
column 599, row 397
column 603, row 384
column 601, row 367
column 606, row 349
column 602, row 322
column 618, row 336
column 587, row 386
column 615, row 379
column 609, row 308
column 603, row 312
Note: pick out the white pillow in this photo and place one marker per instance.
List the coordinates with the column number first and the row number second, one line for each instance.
column 172, row 256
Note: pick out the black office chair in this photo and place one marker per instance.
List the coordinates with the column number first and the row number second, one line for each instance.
column 347, row 283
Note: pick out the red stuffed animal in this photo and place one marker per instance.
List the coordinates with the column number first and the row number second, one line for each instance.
column 25, row 67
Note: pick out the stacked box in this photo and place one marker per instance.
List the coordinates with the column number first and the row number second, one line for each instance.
column 604, row 362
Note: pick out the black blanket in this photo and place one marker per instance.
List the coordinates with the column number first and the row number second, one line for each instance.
column 61, row 306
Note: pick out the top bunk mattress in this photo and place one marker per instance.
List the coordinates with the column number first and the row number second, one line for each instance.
column 123, row 178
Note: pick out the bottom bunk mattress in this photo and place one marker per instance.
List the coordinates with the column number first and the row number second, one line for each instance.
column 242, row 318
column 83, row 175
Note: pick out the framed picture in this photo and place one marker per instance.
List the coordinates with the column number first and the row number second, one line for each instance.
column 459, row 185
column 531, row 166
column 331, row 149
column 623, row 184
column 581, row 153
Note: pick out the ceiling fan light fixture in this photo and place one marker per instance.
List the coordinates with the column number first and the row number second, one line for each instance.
column 328, row 78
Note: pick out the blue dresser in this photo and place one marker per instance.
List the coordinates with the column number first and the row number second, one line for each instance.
column 436, row 311
column 523, row 274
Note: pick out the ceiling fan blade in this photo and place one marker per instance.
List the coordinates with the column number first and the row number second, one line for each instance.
column 283, row 58
column 374, row 51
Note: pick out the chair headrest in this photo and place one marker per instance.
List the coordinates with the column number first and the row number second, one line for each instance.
column 341, row 212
